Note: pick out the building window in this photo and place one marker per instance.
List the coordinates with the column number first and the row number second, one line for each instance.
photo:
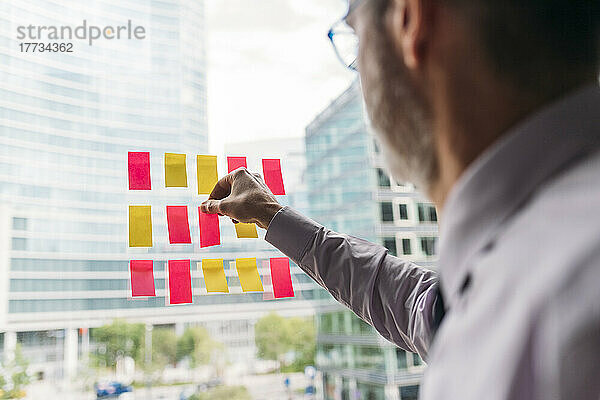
column 383, row 179
column 403, row 211
column 409, row 392
column 387, row 211
column 428, row 246
column 417, row 359
column 427, row 213
column 401, row 359
column 19, row 244
column 20, row 224
column 390, row 244
column 406, row 250
column 432, row 214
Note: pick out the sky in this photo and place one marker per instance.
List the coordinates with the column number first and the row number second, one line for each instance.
column 271, row 67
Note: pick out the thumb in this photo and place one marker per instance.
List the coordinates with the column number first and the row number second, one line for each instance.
column 211, row 207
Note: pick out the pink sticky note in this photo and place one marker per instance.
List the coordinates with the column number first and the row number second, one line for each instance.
column 281, row 277
column 142, row 278
column 210, row 234
column 266, row 280
column 234, row 163
column 139, row 170
column 272, row 174
column 179, row 226
column 180, row 282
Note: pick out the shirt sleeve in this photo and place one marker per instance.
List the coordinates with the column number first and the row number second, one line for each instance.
column 396, row 297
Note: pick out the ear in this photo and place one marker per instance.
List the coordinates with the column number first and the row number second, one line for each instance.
column 410, row 28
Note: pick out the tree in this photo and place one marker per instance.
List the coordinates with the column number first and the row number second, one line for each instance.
column 196, row 344
column 271, row 334
column 14, row 376
column 303, row 340
column 276, row 336
column 119, row 339
column 164, row 347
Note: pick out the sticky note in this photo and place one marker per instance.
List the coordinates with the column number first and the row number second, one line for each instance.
column 142, row 278
column 139, row 170
column 140, row 226
column 248, row 274
column 180, row 282
column 246, row 230
column 178, row 224
column 210, row 234
column 272, row 175
column 214, row 275
column 281, row 277
column 234, row 163
column 266, row 280
column 175, row 170
column 207, row 173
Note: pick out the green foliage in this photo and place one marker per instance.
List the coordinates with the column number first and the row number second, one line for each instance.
column 223, row 393
column 275, row 336
column 196, row 344
column 14, row 377
column 119, row 339
column 164, row 347
column 122, row 339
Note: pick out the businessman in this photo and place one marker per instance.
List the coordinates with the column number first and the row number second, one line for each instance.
column 492, row 108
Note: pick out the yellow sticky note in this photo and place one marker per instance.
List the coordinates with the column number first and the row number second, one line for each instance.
column 248, row 273
column 246, row 230
column 175, row 170
column 140, row 226
column 207, row 173
column 214, row 275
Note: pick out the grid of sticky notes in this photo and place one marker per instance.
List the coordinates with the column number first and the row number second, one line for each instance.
column 178, row 277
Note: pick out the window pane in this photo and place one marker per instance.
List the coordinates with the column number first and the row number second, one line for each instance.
column 406, row 247
column 387, row 212
column 384, row 180
column 403, row 211
column 390, row 244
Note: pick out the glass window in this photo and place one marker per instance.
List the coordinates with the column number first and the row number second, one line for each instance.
column 406, row 250
column 19, row 224
column 401, row 359
column 409, row 392
column 368, row 357
column 387, row 211
column 427, row 212
column 403, row 211
column 428, row 245
column 384, row 180
column 19, row 244
column 417, row 359
column 390, row 244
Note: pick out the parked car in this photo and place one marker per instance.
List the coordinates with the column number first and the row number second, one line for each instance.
column 107, row 390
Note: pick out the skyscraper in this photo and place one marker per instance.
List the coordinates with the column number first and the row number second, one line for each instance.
column 67, row 121
column 349, row 191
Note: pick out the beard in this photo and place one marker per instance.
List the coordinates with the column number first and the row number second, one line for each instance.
column 398, row 113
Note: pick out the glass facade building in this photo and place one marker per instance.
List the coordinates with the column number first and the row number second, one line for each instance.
column 67, row 121
column 349, row 191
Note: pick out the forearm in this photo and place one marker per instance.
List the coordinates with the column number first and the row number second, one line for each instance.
column 394, row 296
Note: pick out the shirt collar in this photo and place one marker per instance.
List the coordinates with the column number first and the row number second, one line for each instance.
column 494, row 186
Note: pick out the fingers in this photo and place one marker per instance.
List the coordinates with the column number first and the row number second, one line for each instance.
column 211, row 207
column 222, row 189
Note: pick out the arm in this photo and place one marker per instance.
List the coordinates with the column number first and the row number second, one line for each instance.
column 396, row 297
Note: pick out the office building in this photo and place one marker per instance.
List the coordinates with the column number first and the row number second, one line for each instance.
column 67, row 121
column 349, row 191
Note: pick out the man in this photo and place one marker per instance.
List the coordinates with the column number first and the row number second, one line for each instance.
column 493, row 109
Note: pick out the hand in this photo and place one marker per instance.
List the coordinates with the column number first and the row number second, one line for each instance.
column 243, row 196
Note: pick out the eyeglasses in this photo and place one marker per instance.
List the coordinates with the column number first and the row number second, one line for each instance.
column 344, row 40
